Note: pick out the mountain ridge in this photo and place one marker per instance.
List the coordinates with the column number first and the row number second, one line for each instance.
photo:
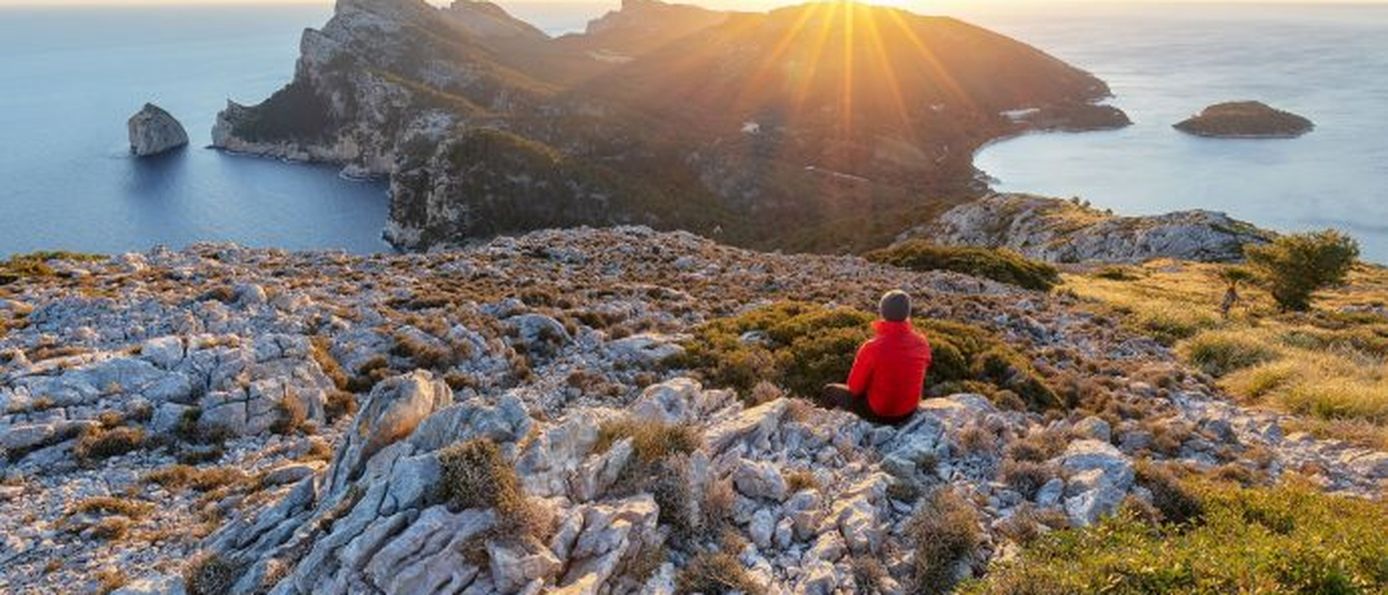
column 743, row 118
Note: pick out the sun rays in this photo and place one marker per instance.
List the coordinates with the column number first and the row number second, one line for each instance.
column 855, row 60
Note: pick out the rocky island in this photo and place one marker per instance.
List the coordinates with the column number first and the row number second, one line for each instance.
column 672, row 116
column 154, row 131
column 1245, row 119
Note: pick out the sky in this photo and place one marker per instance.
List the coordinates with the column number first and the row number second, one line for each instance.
column 743, row 4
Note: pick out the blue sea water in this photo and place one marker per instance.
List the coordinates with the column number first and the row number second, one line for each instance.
column 69, row 78
column 1163, row 63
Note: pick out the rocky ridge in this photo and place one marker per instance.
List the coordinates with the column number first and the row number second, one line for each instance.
column 1068, row 231
column 538, row 344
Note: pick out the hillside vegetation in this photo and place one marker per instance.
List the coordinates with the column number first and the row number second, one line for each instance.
column 1329, row 365
column 1286, row 539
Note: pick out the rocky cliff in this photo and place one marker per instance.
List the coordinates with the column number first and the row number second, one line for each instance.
column 672, row 116
column 524, row 416
column 1057, row 230
column 153, row 131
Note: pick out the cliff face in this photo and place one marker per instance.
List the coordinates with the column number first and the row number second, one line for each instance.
column 671, row 115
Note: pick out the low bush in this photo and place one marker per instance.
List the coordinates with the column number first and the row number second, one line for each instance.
column 945, row 531
column 1293, row 267
column 185, row 477
column 999, row 264
column 1288, row 539
column 1177, row 503
column 651, row 441
column 107, row 505
column 209, row 574
column 715, row 572
column 659, row 465
column 476, row 475
column 1026, row 477
column 290, row 415
column 804, row 346
column 97, row 442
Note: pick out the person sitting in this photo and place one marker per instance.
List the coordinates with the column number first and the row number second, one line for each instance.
column 888, row 373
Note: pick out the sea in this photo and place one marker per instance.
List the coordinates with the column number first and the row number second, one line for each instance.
column 71, row 76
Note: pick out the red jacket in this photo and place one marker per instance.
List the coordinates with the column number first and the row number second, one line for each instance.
column 890, row 369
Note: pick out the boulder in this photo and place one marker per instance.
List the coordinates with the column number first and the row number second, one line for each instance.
column 394, row 409
column 1098, row 479
column 153, row 131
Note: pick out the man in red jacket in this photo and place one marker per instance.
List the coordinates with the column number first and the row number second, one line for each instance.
column 889, row 372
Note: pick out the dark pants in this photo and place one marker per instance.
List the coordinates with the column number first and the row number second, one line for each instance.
column 837, row 396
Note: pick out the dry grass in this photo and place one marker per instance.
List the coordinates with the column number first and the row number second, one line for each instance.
column 109, row 505
column 1329, row 366
column 183, row 477
column 97, row 443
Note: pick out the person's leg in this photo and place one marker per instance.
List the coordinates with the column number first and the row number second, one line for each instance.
column 836, row 396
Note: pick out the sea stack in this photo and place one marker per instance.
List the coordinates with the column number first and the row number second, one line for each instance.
column 154, row 131
column 1245, row 119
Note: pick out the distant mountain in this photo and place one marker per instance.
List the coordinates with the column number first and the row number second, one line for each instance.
column 822, row 126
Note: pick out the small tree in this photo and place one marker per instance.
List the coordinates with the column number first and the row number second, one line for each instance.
column 1295, row 266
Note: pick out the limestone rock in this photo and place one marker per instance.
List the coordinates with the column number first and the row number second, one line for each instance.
column 1056, row 230
column 153, row 131
column 1099, row 477
column 394, row 409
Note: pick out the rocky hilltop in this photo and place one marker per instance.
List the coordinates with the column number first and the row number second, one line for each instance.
column 541, row 414
column 1245, row 119
column 1069, row 231
column 666, row 115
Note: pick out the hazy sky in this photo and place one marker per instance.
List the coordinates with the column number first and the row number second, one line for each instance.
column 745, row 4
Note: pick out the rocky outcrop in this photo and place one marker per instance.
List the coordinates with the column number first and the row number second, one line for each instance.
column 1245, row 119
column 154, row 131
column 486, row 127
column 1057, row 230
column 543, row 346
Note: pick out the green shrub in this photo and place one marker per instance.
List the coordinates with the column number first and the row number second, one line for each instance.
column 999, row 264
column 659, row 465
column 1177, row 503
column 476, row 475
column 715, row 572
column 651, row 442
column 1288, row 539
column 1295, row 266
column 804, row 346
column 800, row 346
column 945, row 531
column 1220, row 353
